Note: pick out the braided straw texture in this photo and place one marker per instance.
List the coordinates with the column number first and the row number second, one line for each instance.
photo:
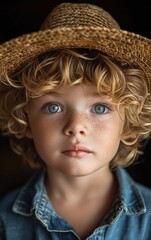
column 72, row 25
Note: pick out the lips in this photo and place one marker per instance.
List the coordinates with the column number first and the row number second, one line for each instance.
column 77, row 151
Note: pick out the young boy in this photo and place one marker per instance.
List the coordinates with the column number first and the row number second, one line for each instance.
column 76, row 100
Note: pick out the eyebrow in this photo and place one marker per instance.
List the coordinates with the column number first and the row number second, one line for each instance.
column 54, row 93
column 95, row 94
column 58, row 94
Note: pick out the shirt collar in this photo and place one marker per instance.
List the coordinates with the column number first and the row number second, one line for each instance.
column 34, row 194
column 131, row 198
column 24, row 202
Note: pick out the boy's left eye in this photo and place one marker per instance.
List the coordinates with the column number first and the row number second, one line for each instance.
column 100, row 109
column 52, row 108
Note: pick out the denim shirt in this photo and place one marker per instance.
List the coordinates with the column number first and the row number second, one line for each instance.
column 27, row 214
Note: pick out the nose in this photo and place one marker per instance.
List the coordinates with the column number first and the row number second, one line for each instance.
column 77, row 124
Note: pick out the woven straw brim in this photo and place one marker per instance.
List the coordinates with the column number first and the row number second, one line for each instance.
column 122, row 45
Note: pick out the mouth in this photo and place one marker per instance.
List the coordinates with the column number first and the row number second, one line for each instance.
column 77, row 151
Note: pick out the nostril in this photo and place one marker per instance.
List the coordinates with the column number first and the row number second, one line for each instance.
column 81, row 132
column 70, row 132
column 74, row 132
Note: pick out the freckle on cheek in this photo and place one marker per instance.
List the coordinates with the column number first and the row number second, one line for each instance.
column 95, row 123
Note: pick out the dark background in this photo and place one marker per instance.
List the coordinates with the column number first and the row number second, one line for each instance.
column 23, row 16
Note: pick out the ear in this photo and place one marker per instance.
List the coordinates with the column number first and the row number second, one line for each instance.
column 28, row 133
column 128, row 135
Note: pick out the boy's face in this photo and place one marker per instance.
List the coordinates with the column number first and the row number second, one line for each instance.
column 75, row 131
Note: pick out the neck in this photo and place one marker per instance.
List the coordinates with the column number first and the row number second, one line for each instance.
column 79, row 189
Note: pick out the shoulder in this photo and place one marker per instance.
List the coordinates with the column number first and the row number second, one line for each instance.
column 7, row 201
column 6, row 213
column 146, row 195
column 19, row 197
column 134, row 195
column 16, row 208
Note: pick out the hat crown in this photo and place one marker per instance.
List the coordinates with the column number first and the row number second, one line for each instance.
column 79, row 14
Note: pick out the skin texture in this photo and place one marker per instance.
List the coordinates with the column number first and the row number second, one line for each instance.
column 77, row 133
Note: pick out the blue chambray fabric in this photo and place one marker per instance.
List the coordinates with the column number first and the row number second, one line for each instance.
column 27, row 213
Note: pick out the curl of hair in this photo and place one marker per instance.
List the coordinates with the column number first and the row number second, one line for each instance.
column 126, row 85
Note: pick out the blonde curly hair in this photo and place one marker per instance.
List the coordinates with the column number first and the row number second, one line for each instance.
column 127, row 86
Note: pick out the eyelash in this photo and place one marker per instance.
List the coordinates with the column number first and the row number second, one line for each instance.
column 47, row 110
column 104, row 108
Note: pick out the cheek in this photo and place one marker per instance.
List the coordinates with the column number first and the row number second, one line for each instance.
column 107, row 129
column 45, row 139
column 40, row 124
column 44, row 131
column 97, row 125
column 107, row 139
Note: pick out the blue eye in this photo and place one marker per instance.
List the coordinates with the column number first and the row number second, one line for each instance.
column 52, row 108
column 100, row 109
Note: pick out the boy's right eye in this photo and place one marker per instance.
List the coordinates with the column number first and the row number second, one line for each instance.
column 52, row 108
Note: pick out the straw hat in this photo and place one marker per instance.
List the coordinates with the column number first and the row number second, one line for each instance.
column 78, row 25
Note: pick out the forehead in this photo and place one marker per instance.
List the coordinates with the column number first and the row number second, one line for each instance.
column 85, row 91
column 88, row 89
column 78, row 93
